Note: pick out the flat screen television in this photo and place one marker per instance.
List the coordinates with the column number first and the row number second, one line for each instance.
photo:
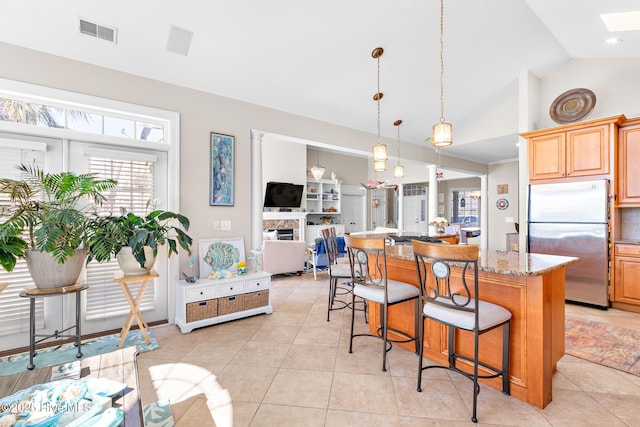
column 283, row 195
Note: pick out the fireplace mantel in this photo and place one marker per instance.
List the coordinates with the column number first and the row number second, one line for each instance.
column 286, row 220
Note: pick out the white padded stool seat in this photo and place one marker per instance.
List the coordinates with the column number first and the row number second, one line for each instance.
column 397, row 291
column 489, row 314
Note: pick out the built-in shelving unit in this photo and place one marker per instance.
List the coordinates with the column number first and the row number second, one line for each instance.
column 323, row 197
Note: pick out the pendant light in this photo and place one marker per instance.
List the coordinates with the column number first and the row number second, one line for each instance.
column 442, row 132
column 379, row 150
column 398, row 170
column 317, row 171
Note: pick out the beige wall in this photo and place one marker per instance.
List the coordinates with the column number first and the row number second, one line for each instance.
column 283, row 162
column 350, row 169
column 498, row 225
column 200, row 114
column 613, row 81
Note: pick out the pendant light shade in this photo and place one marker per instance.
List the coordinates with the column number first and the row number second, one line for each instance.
column 442, row 132
column 380, row 149
column 379, row 152
column 317, row 171
column 442, row 135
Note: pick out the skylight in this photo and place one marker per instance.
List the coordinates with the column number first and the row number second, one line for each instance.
column 623, row 21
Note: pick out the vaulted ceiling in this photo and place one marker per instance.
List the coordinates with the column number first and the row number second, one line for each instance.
column 313, row 58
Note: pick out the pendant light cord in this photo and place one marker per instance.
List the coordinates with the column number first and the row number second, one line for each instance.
column 441, row 61
column 398, row 144
column 378, row 96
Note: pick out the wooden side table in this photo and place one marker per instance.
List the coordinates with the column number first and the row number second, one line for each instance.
column 134, row 303
column 34, row 293
column 312, row 259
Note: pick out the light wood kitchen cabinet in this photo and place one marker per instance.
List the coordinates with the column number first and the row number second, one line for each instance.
column 628, row 172
column 627, row 274
column 576, row 150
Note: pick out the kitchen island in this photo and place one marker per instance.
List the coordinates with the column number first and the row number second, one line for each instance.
column 531, row 286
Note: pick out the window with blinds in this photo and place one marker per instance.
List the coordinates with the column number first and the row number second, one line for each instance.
column 134, row 193
column 14, row 316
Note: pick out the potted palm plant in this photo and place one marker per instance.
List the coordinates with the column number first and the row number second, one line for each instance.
column 47, row 222
column 134, row 240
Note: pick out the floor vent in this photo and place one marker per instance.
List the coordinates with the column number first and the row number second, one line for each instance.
column 96, row 30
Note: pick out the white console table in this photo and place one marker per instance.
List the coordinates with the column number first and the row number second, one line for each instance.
column 208, row 302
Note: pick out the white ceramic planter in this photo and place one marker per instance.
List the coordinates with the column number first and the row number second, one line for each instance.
column 47, row 273
column 130, row 266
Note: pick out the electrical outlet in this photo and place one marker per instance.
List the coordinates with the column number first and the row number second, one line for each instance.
column 216, row 225
column 509, row 219
column 225, row 225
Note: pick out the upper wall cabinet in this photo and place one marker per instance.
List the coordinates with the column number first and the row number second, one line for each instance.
column 575, row 150
column 628, row 172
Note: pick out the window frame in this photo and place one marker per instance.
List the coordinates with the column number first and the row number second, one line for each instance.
column 171, row 143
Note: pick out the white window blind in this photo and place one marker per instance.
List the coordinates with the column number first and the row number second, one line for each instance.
column 134, row 193
column 14, row 315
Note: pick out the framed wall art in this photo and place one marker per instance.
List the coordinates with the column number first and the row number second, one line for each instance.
column 222, row 166
column 217, row 254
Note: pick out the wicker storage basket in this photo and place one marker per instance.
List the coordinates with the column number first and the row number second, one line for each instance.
column 256, row 299
column 230, row 304
column 202, row 310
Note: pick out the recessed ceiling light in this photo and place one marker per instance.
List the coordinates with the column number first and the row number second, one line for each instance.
column 623, row 21
column 613, row 40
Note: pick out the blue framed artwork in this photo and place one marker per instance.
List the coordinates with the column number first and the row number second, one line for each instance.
column 222, row 148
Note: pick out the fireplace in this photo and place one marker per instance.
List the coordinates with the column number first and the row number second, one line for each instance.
column 290, row 224
column 285, row 234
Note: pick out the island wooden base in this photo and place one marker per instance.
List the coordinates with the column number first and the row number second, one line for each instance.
column 537, row 327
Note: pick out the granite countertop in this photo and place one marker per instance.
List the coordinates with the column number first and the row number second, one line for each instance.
column 510, row 263
column 401, row 234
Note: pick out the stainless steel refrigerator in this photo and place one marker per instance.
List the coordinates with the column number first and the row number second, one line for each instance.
column 571, row 219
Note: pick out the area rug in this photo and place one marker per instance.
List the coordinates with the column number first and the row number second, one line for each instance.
column 158, row 414
column 607, row 345
column 57, row 355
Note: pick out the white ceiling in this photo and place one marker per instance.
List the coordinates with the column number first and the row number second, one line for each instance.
column 313, row 58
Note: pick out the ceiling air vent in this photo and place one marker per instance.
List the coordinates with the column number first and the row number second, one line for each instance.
column 96, row 30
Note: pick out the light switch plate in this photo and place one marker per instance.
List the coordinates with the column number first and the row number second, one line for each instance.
column 225, row 225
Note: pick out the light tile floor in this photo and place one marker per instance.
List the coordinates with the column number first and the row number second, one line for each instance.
column 292, row 368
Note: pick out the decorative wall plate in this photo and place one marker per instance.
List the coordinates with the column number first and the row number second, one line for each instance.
column 502, row 204
column 572, row 105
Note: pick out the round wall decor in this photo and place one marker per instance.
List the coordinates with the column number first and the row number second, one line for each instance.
column 502, row 204
column 572, row 105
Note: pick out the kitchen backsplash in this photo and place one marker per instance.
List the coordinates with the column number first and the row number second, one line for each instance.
column 630, row 224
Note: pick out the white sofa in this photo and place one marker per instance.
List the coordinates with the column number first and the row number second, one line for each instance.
column 283, row 256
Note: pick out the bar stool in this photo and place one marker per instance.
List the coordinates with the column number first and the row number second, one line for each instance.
column 448, row 300
column 368, row 262
column 337, row 270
